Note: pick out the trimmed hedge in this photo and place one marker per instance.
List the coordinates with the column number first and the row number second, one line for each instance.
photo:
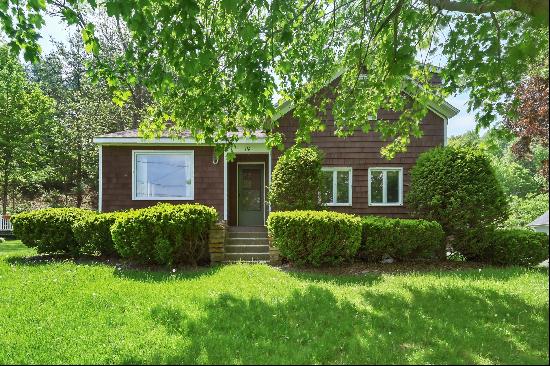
column 296, row 180
column 315, row 237
column 93, row 233
column 522, row 247
column 402, row 239
column 164, row 233
column 49, row 230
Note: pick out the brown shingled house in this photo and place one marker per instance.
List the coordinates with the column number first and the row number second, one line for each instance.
column 136, row 173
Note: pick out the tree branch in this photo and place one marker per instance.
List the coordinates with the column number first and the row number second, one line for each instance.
column 534, row 8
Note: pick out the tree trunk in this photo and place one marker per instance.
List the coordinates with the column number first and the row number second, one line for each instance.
column 79, row 190
column 5, row 186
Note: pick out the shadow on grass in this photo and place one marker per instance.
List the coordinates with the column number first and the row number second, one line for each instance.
column 428, row 325
column 45, row 259
column 368, row 279
column 162, row 274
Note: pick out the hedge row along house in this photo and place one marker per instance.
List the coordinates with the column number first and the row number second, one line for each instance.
column 136, row 173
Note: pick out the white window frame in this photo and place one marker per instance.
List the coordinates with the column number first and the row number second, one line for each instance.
column 334, row 171
column 385, row 186
column 163, row 152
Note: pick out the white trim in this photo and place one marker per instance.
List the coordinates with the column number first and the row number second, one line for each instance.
column 163, row 152
column 445, row 123
column 269, row 179
column 100, row 187
column 248, row 148
column 384, row 186
column 225, row 197
column 335, row 171
column 263, row 184
column 445, row 139
column 166, row 141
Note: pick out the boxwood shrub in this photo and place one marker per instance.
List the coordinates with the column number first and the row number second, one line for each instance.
column 296, row 180
column 49, row 230
column 458, row 188
column 522, row 247
column 315, row 237
column 93, row 233
column 164, row 233
column 402, row 239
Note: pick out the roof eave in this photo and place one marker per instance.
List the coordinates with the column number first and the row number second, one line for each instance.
column 164, row 141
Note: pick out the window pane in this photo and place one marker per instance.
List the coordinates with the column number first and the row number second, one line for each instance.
column 393, row 186
column 326, row 189
column 163, row 175
column 376, row 181
column 342, row 187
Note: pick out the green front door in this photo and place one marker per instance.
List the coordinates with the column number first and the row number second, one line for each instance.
column 250, row 195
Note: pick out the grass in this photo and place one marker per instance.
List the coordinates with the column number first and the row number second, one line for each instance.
column 62, row 312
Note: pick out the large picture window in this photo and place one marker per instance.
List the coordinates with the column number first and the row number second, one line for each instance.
column 163, row 175
column 336, row 188
column 385, row 186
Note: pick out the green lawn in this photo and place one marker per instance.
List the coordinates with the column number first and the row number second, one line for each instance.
column 61, row 312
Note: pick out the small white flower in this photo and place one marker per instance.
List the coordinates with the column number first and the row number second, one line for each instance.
column 173, row 270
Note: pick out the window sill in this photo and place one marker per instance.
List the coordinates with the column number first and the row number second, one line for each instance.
column 337, row 204
column 163, row 198
column 385, row 204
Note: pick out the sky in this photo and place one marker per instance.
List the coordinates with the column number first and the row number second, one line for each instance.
column 458, row 125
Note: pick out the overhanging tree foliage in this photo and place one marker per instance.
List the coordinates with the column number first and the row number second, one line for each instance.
column 25, row 115
column 213, row 66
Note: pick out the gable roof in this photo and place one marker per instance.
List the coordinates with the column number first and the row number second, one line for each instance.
column 444, row 109
column 541, row 220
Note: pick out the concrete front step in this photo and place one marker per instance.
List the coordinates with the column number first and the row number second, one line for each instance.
column 250, row 248
column 246, row 241
column 234, row 229
column 247, row 234
column 246, row 257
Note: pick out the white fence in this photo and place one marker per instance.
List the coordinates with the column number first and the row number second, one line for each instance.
column 5, row 224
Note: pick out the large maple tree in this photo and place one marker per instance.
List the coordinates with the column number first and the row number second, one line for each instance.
column 216, row 66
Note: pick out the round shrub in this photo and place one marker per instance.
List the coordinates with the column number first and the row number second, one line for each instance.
column 315, row 237
column 164, row 233
column 402, row 239
column 296, row 180
column 93, row 233
column 49, row 230
column 516, row 247
column 457, row 187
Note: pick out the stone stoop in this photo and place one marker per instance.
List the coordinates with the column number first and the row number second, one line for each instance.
column 246, row 244
column 216, row 242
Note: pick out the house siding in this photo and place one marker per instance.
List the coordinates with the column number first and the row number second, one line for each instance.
column 362, row 151
column 117, row 178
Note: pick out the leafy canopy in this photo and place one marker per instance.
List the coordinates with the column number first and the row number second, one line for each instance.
column 25, row 115
column 215, row 66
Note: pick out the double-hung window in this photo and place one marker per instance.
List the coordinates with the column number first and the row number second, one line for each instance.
column 163, row 175
column 385, row 186
column 336, row 189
